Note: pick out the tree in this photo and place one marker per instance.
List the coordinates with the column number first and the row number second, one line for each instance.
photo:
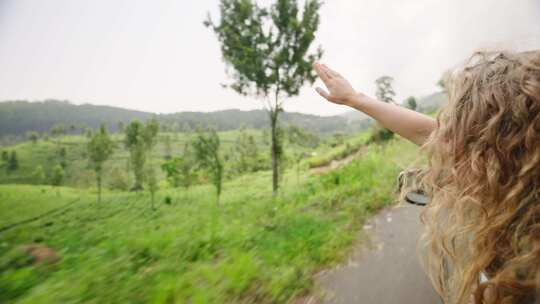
column 151, row 130
column 62, row 156
column 301, row 137
column 298, row 157
column 58, row 129
column 134, row 142
column 38, row 175
column 411, row 103
column 246, row 152
column 140, row 139
column 151, row 183
column 206, row 147
column 99, row 148
column 57, row 177
column 442, row 83
column 268, row 52
column 5, row 155
column 118, row 179
column 121, row 126
column 385, row 92
column 33, row 136
column 88, row 133
column 168, row 148
column 13, row 162
column 180, row 170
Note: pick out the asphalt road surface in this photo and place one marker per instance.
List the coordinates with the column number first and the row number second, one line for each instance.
column 384, row 268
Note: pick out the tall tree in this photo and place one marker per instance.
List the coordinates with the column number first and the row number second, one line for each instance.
column 5, row 155
column 121, row 125
column 140, row 139
column 135, row 143
column 57, row 177
column 62, row 156
column 268, row 52
column 180, row 170
column 168, row 148
column 99, row 148
column 13, row 162
column 206, row 147
column 385, row 92
column 151, row 130
column 38, row 175
column 246, row 152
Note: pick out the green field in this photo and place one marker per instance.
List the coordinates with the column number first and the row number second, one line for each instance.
column 44, row 153
column 252, row 248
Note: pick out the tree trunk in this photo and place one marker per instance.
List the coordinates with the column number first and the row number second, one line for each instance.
column 274, row 150
column 298, row 173
column 99, row 187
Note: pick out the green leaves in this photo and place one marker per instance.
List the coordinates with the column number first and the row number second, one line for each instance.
column 385, row 92
column 100, row 148
column 140, row 139
column 206, row 147
column 266, row 49
column 57, row 176
column 267, row 53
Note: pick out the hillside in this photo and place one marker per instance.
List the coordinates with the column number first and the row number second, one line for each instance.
column 426, row 104
column 18, row 117
column 432, row 102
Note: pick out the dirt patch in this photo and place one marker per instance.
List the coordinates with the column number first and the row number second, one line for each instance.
column 336, row 164
column 40, row 254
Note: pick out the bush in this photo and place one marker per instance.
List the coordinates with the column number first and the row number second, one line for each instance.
column 380, row 134
column 168, row 200
column 118, row 180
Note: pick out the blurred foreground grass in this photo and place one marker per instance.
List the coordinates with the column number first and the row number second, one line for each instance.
column 250, row 249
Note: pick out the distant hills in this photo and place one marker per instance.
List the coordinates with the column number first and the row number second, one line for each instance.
column 18, row 117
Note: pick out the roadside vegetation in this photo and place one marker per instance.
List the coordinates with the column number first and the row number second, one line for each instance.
column 253, row 247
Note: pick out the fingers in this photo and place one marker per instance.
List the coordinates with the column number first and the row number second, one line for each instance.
column 323, row 93
column 322, row 72
column 330, row 71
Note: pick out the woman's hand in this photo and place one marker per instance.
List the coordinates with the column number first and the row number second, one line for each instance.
column 412, row 125
column 340, row 90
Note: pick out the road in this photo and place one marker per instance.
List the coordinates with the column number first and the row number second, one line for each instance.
column 385, row 268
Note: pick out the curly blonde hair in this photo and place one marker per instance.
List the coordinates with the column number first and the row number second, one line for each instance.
column 484, row 182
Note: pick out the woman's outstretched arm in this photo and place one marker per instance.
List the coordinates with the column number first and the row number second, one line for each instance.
column 412, row 125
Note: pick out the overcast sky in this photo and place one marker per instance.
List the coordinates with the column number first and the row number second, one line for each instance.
column 155, row 55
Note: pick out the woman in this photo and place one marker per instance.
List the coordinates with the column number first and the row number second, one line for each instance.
column 483, row 179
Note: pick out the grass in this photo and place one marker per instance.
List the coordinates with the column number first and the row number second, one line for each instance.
column 251, row 249
column 349, row 147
